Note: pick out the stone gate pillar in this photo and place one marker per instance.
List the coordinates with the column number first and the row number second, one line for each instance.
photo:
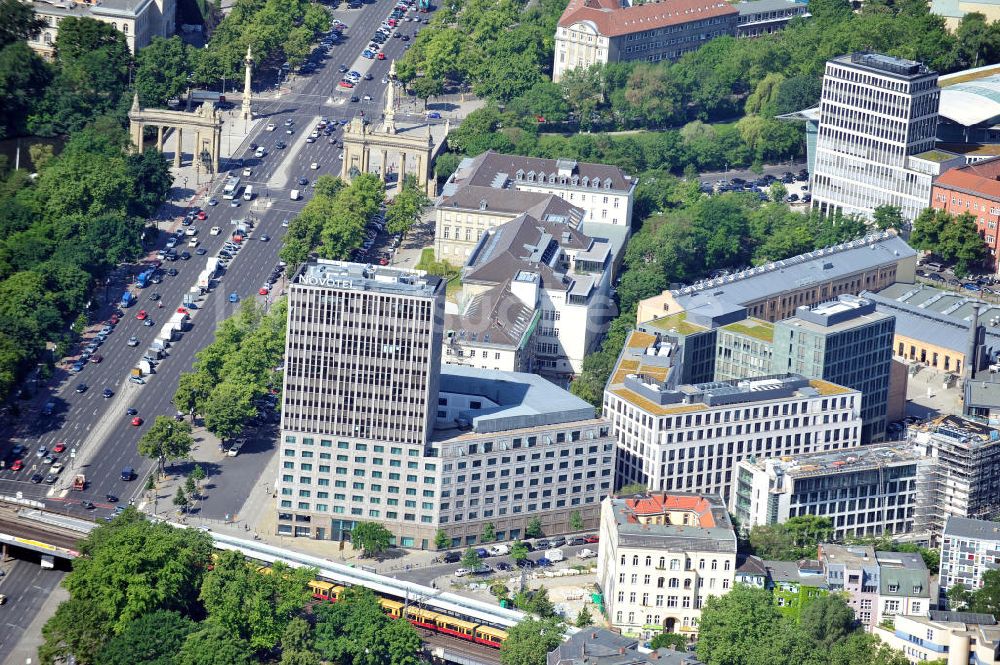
column 180, row 147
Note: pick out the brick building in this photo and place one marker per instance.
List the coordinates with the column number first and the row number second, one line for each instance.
column 973, row 189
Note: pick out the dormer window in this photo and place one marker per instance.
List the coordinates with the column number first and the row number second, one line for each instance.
column 552, row 178
column 519, row 175
column 531, row 176
column 576, row 180
column 586, row 181
column 607, row 183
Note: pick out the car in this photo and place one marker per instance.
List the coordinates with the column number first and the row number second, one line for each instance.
column 303, row 181
column 542, row 544
column 592, row 538
column 459, row 572
column 136, row 421
column 265, row 238
column 558, row 541
column 131, row 411
column 368, row 54
column 433, row 115
column 271, row 127
column 234, row 204
column 111, row 498
column 934, row 277
column 367, row 98
column 234, row 297
column 396, row 35
column 284, row 222
column 137, row 379
column 354, row 99
column 406, row 38
column 213, row 202
column 214, row 231
column 37, row 478
column 17, row 465
column 310, row 139
column 87, row 505
column 451, row 557
column 367, row 77
column 172, row 272
column 587, row 553
column 201, row 213
column 503, row 565
column 59, row 448
column 56, row 467
column 280, row 145
column 108, row 393
column 482, row 552
column 141, row 316
column 185, row 255
column 381, row 56
column 575, row 541
column 525, row 563
column 314, row 166
column 82, row 388
column 543, row 562
column 51, row 478
column 190, row 232
column 343, row 69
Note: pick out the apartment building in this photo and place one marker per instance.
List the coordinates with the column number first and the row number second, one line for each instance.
column 600, row 646
column 551, row 269
column 764, row 17
column 964, row 479
column 138, row 20
column 844, row 341
column 878, row 585
column 661, row 556
column 795, row 584
column 494, row 329
column 876, row 113
column 954, row 637
column 969, row 548
column 592, row 32
column 864, row 491
column 374, row 428
column 775, row 291
column 603, row 193
column 689, row 437
column 973, row 189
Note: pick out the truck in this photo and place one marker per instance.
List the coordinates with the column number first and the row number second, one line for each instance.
column 192, row 296
column 166, row 333
column 160, row 346
column 79, row 482
column 128, row 299
column 499, row 550
column 212, row 267
column 555, row 555
column 145, row 367
column 204, row 280
column 232, row 187
column 154, row 352
column 142, row 281
column 179, row 321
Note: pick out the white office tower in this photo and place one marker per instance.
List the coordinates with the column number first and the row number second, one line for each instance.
column 877, row 114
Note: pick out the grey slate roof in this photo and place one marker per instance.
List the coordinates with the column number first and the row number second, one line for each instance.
column 597, row 646
column 525, row 400
column 727, row 293
column 762, row 6
column 966, row 527
column 493, row 169
column 962, row 617
column 496, row 317
column 790, row 571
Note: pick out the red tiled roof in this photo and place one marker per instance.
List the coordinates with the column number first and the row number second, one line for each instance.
column 978, row 178
column 657, row 504
column 613, row 20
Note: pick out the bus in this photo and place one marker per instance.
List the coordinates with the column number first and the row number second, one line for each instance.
column 232, row 187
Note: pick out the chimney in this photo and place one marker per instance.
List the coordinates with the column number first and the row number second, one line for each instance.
column 621, row 651
column 972, row 354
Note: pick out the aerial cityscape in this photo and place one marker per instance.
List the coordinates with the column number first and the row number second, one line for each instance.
column 499, row 332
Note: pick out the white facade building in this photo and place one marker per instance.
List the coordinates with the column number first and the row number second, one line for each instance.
column 969, row 548
column 876, row 113
column 676, row 437
column 865, row 491
column 138, row 20
column 661, row 557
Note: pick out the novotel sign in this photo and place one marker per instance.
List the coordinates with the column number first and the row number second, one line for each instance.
column 326, row 280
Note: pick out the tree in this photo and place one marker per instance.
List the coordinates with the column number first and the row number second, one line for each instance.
column 189, row 486
column 575, row 521
column 442, row 540
column 150, row 483
column 355, row 631
column 253, row 606
column 371, row 537
column 470, row 559
column 489, row 533
column 214, row 645
column 583, row 618
column 778, row 191
column 534, row 528
column 181, row 500
column 406, row 208
column 888, row 217
column 166, row 440
column 731, row 625
column 426, row 87
column 128, row 569
column 198, row 473
column 228, row 409
column 530, row 640
column 961, row 243
column 18, row 22
column 986, row 599
column 23, row 79
column 665, row 640
column 827, row 620
column 153, row 639
column 297, row 636
column 518, row 551
column 162, row 69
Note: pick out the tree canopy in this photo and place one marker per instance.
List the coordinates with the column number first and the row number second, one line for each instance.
column 371, row 538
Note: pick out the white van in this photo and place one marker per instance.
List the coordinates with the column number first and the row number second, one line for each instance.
column 295, row 195
column 499, row 550
column 554, row 555
column 248, row 193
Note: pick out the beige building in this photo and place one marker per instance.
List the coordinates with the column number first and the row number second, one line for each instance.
column 954, row 10
column 493, row 188
column 958, row 638
column 138, row 20
column 661, row 557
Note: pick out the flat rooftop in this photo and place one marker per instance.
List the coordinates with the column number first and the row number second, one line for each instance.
column 521, row 400
column 839, row 461
column 347, row 276
column 656, row 520
column 834, row 316
column 881, row 63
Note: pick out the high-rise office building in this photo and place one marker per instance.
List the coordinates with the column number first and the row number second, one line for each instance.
column 374, row 428
column 844, row 341
column 876, row 113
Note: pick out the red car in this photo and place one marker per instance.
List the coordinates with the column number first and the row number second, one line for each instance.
column 201, row 215
column 591, row 539
column 263, row 291
column 96, row 358
column 113, row 320
column 141, row 315
column 380, row 56
column 136, row 421
column 181, row 310
column 17, row 465
column 59, row 447
column 383, row 261
column 346, row 84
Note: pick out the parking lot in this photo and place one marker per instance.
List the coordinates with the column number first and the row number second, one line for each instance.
column 796, row 186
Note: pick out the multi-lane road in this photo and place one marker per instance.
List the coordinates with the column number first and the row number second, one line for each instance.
column 97, row 428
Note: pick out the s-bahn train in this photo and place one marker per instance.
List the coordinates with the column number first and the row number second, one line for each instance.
column 420, row 617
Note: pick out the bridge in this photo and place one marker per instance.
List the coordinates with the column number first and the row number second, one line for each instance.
column 51, row 535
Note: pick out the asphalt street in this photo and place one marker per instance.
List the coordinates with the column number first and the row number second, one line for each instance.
column 26, row 585
column 98, row 429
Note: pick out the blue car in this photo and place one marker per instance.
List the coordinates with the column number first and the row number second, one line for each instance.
column 971, row 286
column 434, row 115
column 543, row 562
column 482, row 552
column 234, row 297
column 368, row 54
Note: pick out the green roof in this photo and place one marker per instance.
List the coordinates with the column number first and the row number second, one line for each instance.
column 753, row 328
column 936, row 156
column 675, row 323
